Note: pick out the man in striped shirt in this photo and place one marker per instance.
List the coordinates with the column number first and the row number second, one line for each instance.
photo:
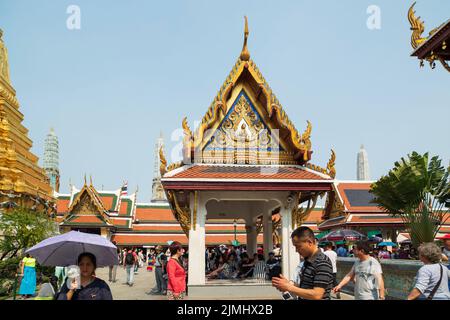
column 316, row 279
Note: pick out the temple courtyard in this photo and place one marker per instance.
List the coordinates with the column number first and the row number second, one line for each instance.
column 145, row 280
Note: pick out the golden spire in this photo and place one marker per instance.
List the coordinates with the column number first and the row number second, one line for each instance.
column 4, row 67
column 245, row 55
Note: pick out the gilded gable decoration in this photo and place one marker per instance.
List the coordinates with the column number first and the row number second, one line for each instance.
column 87, row 202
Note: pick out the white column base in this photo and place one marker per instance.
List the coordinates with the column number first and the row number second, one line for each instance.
column 196, row 272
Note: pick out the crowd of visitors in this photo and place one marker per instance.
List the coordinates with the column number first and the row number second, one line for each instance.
column 315, row 277
column 316, row 274
column 230, row 262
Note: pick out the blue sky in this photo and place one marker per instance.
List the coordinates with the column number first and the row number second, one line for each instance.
column 138, row 67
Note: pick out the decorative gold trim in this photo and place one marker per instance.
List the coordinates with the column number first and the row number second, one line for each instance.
column 331, row 170
column 9, row 97
column 316, row 168
column 182, row 215
column 259, row 224
column 174, row 166
column 417, row 27
column 275, row 235
column 299, row 214
column 95, row 198
column 245, row 54
column 163, row 162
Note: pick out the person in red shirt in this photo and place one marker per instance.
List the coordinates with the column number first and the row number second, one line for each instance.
column 176, row 286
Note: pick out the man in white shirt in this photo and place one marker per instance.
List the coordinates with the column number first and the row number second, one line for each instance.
column 328, row 251
column 366, row 273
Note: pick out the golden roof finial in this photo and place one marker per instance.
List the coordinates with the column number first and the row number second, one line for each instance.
column 417, row 27
column 85, row 179
column 245, row 55
column 90, row 178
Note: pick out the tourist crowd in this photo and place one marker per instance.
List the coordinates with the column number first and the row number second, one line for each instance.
column 315, row 277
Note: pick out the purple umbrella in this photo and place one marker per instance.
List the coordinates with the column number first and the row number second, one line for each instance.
column 63, row 250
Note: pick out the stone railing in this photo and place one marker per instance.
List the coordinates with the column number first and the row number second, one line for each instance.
column 399, row 276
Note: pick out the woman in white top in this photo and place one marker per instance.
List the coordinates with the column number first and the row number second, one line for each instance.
column 432, row 278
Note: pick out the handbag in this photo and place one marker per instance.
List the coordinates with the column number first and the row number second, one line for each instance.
column 436, row 287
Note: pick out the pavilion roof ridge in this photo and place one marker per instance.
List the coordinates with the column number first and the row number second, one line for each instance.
column 300, row 144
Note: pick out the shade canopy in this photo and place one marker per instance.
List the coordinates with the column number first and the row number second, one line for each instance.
column 343, row 235
column 64, row 249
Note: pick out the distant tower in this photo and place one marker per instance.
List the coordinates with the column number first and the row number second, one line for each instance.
column 362, row 171
column 158, row 194
column 51, row 159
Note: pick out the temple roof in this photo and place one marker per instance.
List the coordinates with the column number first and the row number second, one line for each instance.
column 205, row 172
column 431, row 48
column 246, row 110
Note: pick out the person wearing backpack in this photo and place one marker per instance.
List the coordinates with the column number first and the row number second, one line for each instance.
column 432, row 277
column 129, row 259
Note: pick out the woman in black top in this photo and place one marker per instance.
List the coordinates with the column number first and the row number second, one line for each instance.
column 92, row 288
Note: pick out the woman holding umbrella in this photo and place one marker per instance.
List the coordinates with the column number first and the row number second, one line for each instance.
column 92, row 288
column 92, row 251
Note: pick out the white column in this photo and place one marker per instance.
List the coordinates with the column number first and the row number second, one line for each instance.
column 267, row 228
column 251, row 239
column 196, row 272
column 290, row 257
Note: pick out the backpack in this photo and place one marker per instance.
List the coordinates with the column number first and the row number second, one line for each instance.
column 129, row 258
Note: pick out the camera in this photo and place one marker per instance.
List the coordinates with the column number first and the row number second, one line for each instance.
column 287, row 296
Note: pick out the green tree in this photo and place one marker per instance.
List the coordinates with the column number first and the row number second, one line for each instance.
column 23, row 228
column 417, row 189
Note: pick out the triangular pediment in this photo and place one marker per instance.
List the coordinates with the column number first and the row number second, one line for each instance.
column 245, row 86
column 243, row 127
column 87, row 203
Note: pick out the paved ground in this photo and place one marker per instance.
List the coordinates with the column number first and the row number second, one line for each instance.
column 143, row 282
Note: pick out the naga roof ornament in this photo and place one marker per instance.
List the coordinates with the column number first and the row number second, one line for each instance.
column 431, row 48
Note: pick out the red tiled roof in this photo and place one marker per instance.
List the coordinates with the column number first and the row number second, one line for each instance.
column 107, row 201
column 86, row 219
column 246, row 172
column 134, row 239
column 374, row 218
column 315, row 216
column 154, row 213
column 119, row 222
column 123, row 207
column 169, row 228
column 62, row 205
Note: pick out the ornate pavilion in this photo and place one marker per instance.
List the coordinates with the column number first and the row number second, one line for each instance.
column 245, row 161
